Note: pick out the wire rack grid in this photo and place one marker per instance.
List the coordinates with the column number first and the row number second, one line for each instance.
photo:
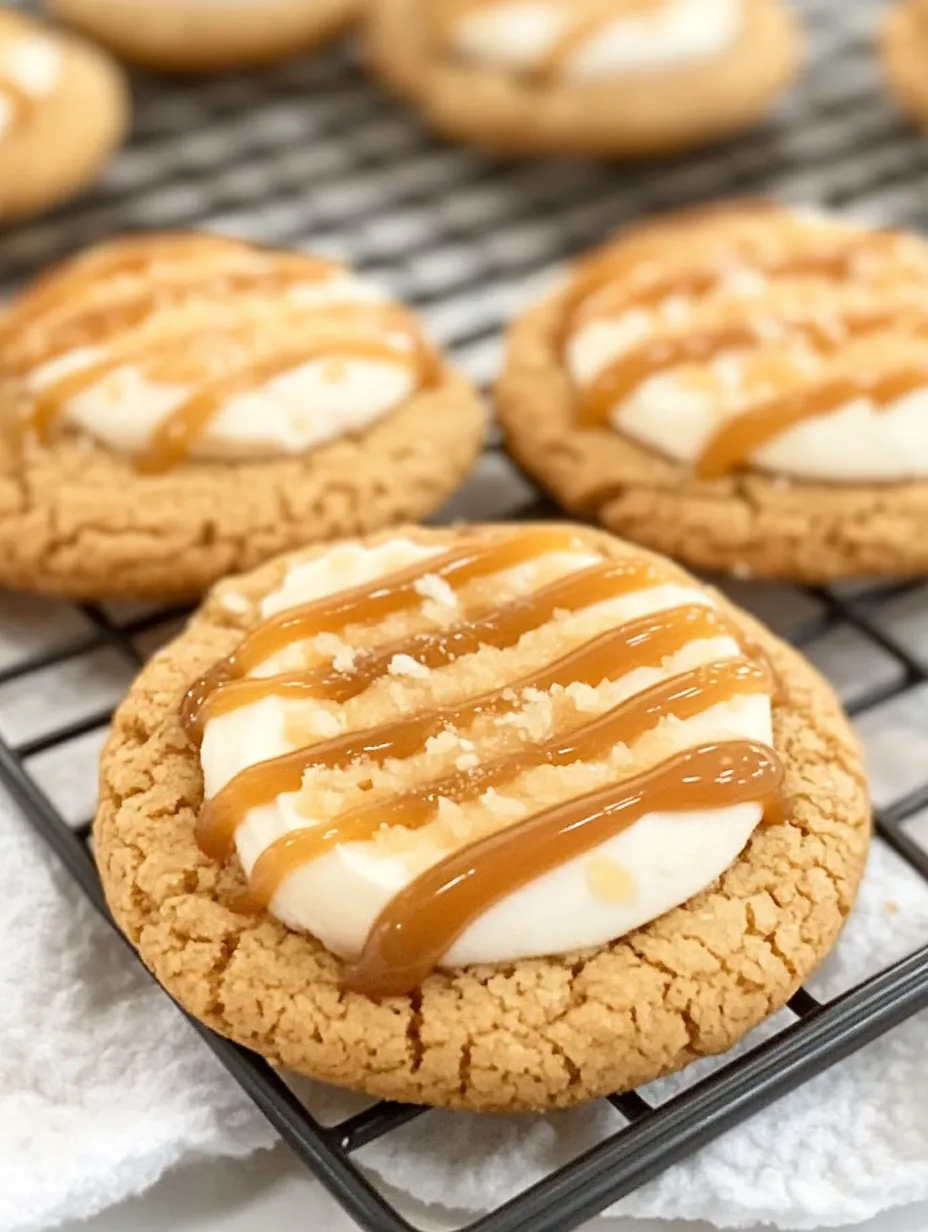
column 311, row 154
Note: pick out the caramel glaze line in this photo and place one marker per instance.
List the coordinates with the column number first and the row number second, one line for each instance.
column 684, row 697
column 740, row 437
column 396, row 592
column 583, row 25
column 644, row 642
column 628, row 372
column 220, row 692
column 84, row 326
column 599, row 273
column 421, row 923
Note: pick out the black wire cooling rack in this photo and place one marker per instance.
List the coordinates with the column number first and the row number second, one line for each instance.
column 310, row 154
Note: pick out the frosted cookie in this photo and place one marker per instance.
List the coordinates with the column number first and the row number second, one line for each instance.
column 207, row 35
column 178, row 406
column 904, row 48
column 63, row 110
column 601, row 77
column 744, row 388
column 499, row 819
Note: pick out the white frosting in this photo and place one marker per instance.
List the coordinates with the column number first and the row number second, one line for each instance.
column 666, row 858
column 296, row 411
column 32, row 64
column 858, row 442
column 519, row 35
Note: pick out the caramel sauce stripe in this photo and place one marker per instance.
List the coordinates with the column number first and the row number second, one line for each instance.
column 584, row 19
column 384, row 333
column 646, row 641
column 736, row 441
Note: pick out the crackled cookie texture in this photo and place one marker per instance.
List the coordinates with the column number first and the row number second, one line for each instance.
column 208, row 35
column 200, row 347
column 608, row 77
column 46, row 153
column 521, row 809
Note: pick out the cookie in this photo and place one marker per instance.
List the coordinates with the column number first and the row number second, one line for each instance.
column 904, row 53
column 529, row 816
column 622, row 78
column 64, row 109
column 206, row 36
column 175, row 407
column 743, row 388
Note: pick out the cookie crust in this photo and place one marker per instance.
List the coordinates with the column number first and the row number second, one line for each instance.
column 637, row 116
column 904, row 54
column 530, row 1035
column 748, row 523
column 203, row 36
column 78, row 520
column 69, row 135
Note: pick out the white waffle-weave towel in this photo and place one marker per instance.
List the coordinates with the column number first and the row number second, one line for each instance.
column 104, row 1086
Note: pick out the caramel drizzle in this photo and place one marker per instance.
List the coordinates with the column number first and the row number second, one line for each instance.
column 585, row 21
column 647, row 641
column 20, row 100
column 423, row 920
column 736, row 440
column 399, row 340
column 501, row 628
column 683, row 697
column 83, row 325
column 740, row 437
column 638, row 643
column 627, row 373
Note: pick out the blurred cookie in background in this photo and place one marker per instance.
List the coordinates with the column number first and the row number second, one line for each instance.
column 63, row 110
column 204, row 36
column 180, row 406
column 905, row 56
column 600, row 77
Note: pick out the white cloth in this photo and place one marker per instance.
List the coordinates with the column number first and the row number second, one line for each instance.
column 103, row 1087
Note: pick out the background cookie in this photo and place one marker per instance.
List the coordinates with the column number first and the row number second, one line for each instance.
column 63, row 110
column 527, row 1033
column 904, row 50
column 743, row 388
column 207, row 35
column 579, row 79
column 181, row 406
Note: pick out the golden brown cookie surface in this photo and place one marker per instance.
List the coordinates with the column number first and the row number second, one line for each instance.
column 525, row 1034
column 738, row 387
column 525, row 103
column 63, row 111
column 199, row 36
column 181, row 406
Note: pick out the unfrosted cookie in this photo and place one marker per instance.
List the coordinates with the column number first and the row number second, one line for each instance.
column 199, row 36
column 178, row 406
column 904, row 48
column 744, row 388
column 528, row 815
column 63, row 110
column 624, row 77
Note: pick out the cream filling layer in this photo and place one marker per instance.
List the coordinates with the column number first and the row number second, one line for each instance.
column 657, row 864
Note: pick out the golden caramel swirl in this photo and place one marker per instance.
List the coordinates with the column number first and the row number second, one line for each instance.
column 805, row 317
column 713, row 777
column 221, row 316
